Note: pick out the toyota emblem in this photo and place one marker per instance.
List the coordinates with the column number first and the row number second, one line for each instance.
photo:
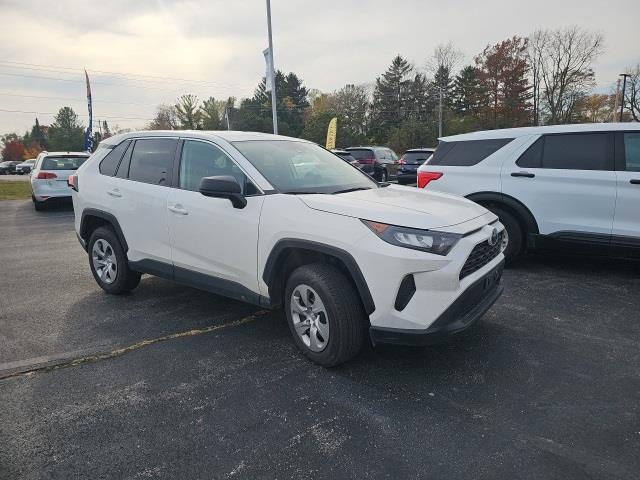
column 493, row 239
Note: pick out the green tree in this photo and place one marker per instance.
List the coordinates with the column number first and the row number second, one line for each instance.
column 66, row 132
column 188, row 112
column 399, row 94
column 254, row 114
column 210, row 114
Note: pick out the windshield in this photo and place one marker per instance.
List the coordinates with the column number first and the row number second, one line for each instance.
column 62, row 163
column 301, row 167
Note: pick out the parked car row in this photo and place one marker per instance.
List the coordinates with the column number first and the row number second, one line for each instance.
column 12, row 167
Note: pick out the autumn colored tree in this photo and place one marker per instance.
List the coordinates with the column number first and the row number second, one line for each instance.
column 503, row 74
column 13, row 151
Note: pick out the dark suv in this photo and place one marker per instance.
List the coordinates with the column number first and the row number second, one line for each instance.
column 409, row 163
column 379, row 162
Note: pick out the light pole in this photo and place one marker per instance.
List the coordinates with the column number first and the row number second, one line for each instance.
column 624, row 86
column 274, row 111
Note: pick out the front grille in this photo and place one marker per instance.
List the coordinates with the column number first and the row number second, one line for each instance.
column 481, row 254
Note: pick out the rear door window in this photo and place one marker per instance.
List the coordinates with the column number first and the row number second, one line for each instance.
column 588, row 151
column 152, row 160
column 632, row 151
column 466, row 153
column 532, row 157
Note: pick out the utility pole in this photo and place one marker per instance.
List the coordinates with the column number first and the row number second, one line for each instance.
column 274, row 111
column 226, row 114
column 624, row 86
column 440, row 114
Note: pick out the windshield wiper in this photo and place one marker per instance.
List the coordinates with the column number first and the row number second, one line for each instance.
column 355, row 189
column 303, row 192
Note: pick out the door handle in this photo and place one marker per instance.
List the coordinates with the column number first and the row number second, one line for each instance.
column 114, row 193
column 523, row 174
column 635, row 181
column 178, row 209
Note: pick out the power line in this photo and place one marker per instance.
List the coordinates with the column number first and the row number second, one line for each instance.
column 78, row 114
column 129, row 76
column 71, row 99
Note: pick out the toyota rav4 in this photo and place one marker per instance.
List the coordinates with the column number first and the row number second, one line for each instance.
column 282, row 222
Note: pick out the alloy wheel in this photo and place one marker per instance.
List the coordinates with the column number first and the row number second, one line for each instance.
column 310, row 318
column 104, row 261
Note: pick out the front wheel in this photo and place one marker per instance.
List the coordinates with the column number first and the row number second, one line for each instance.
column 513, row 237
column 325, row 315
column 109, row 264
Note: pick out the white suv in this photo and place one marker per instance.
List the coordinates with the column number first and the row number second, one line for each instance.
column 277, row 221
column 571, row 187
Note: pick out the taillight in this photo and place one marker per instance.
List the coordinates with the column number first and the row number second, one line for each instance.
column 46, row 175
column 72, row 181
column 401, row 161
column 367, row 161
column 425, row 177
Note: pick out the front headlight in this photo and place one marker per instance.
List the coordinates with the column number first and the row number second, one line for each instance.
column 439, row 243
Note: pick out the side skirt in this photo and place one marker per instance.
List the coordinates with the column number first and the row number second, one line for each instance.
column 201, row 281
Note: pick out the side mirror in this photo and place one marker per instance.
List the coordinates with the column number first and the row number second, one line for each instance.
column 223, row 186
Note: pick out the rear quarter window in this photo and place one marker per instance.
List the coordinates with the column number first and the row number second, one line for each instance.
column 466, row 153
column 110, row 162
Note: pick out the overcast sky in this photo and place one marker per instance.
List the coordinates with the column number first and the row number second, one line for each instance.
column 214, row 48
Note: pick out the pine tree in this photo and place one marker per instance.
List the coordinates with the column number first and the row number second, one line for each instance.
column 210, row 114
column 188, row 112
column 66, row 133
column 398, row 95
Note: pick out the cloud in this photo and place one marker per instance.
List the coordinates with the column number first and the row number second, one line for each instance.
column 219, row 43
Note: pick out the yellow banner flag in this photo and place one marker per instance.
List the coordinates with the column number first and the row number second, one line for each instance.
column 331, row 133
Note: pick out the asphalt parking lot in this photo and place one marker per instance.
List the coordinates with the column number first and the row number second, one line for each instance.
column 171, row 382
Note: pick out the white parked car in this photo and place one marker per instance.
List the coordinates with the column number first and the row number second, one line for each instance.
column 50, row 173
column 571, row 187
column 281, row 222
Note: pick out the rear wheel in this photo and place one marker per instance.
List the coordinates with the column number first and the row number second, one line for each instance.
column 39, row 206
column 325, row 315
column 384, row 176
column 109, row 264
column 513, row 237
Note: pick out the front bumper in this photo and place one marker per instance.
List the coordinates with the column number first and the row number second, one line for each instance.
column 463, row 312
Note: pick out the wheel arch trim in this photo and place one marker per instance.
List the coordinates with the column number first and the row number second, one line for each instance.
column 514, row 204
column 280, row 249
column 109, row 218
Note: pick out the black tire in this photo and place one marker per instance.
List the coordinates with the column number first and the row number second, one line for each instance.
column 125, row 279
column 39, row 206
column 345, row 313
column 384, row 176
column 516, row 235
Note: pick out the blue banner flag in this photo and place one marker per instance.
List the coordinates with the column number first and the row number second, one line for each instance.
column 88, row 136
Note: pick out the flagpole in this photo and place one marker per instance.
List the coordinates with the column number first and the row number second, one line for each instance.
column 274, row 111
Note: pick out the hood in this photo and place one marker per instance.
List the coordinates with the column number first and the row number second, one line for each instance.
column 403, row 206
